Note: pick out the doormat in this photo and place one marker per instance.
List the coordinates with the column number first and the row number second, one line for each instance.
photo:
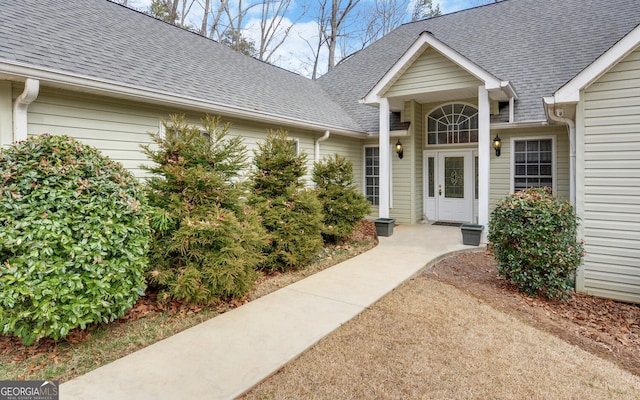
column 442, row 223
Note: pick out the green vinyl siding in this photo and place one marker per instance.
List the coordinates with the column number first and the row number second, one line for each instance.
column 119, row 127
column 501, row 168
column 610, row 175
column 431, row 72
column 347, row 147
column 6, row 113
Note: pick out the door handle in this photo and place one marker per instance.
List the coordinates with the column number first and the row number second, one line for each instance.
column 440, row 190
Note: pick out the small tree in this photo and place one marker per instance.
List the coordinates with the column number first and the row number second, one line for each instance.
column 206, row 241
column 533, row 234
column 291, row 214
column 342, row 204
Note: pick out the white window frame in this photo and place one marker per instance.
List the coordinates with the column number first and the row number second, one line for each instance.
column 440, row 106
column 554, row 159
column 364, row 172
column 296, row 142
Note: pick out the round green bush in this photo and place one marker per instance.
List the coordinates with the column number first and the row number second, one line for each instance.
column 533, row 237
column 73, row 238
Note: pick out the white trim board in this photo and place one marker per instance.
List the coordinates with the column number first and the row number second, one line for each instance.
column 424, row 41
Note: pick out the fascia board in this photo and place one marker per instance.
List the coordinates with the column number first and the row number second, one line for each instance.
column 89, row 84
column 374, row 95
column 425, row 40
column 570, row 91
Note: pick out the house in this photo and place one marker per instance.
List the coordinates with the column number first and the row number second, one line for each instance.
column 483, row 102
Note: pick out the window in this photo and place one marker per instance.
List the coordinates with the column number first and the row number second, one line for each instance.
column 295, row 142
column 453, row 124
column 372, row 174
column 475, row 173
column 431, row 178
column 533, row 163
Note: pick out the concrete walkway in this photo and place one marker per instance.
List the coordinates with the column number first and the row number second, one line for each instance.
column 227, row 355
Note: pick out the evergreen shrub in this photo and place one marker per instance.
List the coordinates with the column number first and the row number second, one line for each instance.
column 533, row 237
column 343, row 205
column 73, row 238
column 291, row 214
column 207, row 241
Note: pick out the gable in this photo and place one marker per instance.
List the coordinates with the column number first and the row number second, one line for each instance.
column 431, row 72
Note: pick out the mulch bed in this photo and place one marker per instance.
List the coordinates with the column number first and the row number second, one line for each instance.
column 603, row 327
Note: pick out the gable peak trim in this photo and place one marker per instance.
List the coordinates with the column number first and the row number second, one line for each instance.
column 426, row 40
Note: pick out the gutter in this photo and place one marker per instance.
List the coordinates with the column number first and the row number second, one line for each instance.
column 109, row 88
column 21, row 107
column 317, row 144
column 556, row 115
column 518, row 125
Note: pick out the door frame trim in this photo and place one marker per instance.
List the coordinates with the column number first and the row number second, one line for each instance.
column 431, row 211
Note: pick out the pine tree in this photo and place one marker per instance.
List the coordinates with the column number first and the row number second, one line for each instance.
column 343, row 205
column 206, row 241
column 291, row 214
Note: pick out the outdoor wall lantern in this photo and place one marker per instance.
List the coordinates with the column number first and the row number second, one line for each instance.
column 497, row 144
column 399, row 149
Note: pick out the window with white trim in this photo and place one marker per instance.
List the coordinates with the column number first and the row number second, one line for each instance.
column 296, row 145
column 453, row 124
column 372, row 174
column 533, row 163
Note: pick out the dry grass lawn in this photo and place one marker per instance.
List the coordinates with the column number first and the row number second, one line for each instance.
column 429, row 340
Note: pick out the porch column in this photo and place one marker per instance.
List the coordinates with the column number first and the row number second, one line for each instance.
column 383, row 206
column 484, row 158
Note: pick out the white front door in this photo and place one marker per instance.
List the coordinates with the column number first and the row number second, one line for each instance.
column 454, row 186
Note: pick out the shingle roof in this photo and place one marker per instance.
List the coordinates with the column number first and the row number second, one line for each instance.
column 102, row 40
column 537, row 45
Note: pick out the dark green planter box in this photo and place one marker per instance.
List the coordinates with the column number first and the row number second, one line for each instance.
column 384, row 226
column 471, row 234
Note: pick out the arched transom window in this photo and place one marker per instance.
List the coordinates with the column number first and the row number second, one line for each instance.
column 453, row 124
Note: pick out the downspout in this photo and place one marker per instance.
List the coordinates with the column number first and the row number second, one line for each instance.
column 21, row 106
column 317, row 145
column 512, row 111
column 551, row 108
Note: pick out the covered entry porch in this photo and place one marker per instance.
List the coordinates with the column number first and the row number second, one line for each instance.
column 448, row 147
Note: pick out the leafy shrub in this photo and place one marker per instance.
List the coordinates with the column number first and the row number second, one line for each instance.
column 343, row 205
column 533, row 234
column 206, row 240
column 73, row 238
column 291, row 214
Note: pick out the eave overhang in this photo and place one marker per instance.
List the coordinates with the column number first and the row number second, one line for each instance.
column 85, row 84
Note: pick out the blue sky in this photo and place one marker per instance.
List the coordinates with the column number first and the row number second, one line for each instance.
column 294, row 53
